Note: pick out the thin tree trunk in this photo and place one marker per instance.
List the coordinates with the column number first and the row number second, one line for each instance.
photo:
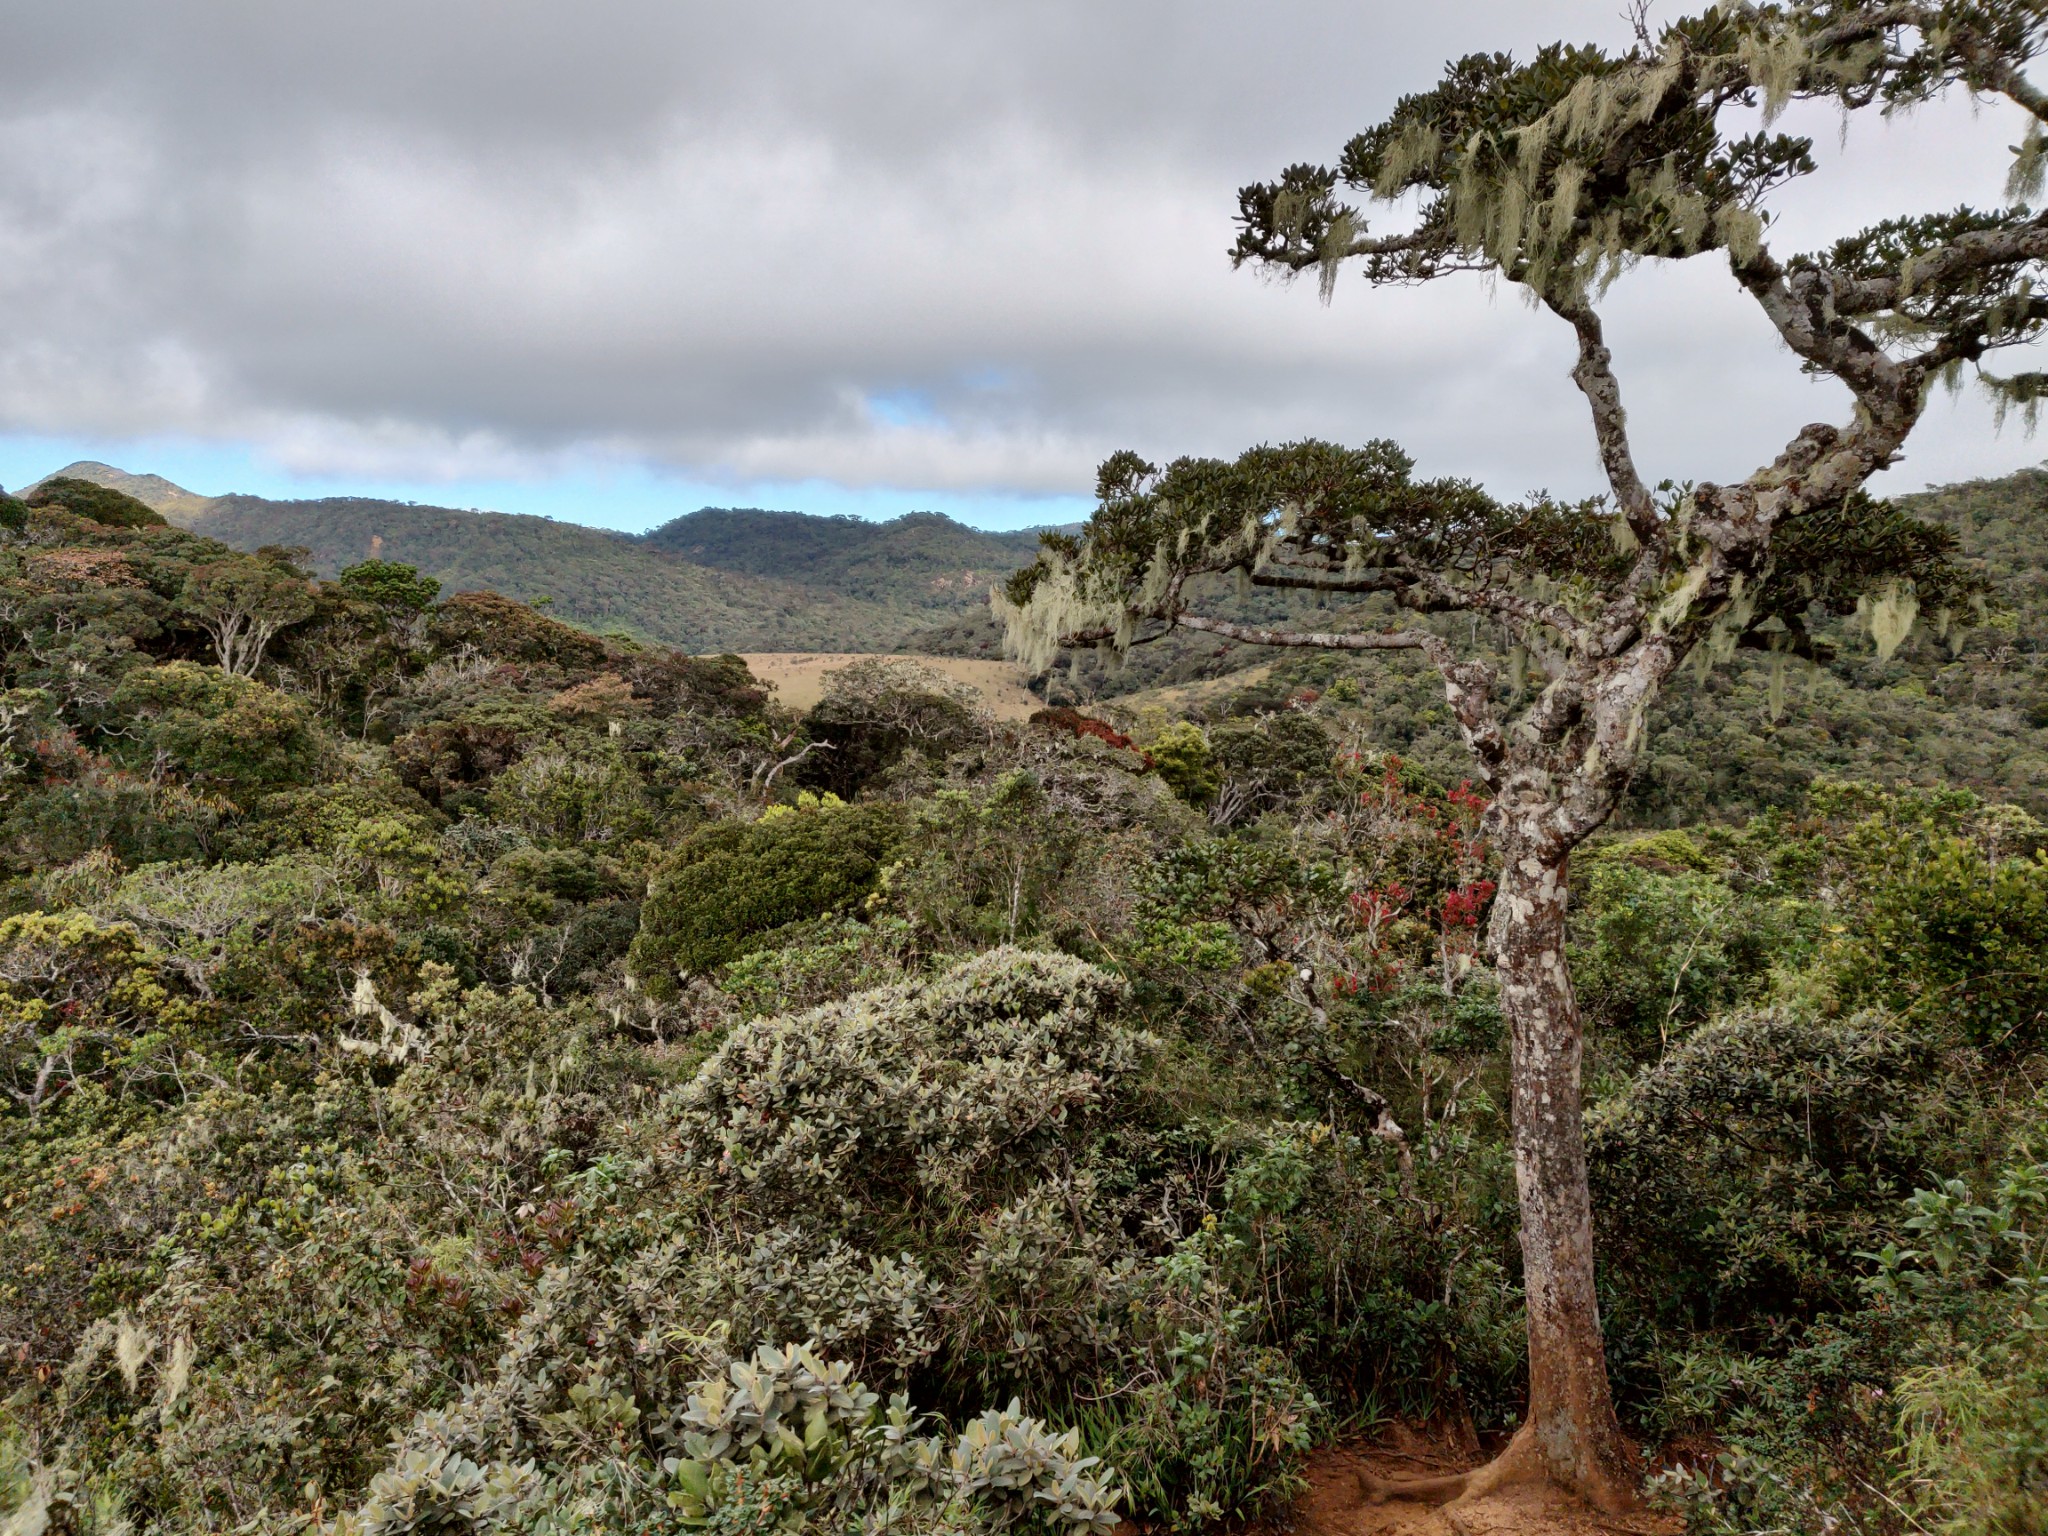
column 1571, row 1423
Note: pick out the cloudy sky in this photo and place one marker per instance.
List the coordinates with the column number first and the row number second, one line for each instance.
column 616, row 259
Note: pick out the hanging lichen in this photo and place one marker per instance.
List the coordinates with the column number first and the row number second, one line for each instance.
column 2030, row 160
column 1890, row 613
column 1678, row 603
column 132, row 1347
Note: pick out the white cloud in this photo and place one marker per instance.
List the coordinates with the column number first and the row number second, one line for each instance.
column 907, row 244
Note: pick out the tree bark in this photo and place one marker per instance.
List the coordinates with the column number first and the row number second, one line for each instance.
column 1571, row 1426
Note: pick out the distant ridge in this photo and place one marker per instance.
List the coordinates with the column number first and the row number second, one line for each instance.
column 153, row 491
column 608, row 581
column 920, row 560
column 723, row 578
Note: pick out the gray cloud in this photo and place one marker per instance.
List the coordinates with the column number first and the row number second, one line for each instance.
column 905, row 243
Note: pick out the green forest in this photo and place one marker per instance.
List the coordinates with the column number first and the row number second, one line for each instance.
column 1459, row 1015
column 714, row 579
column 467, row 1073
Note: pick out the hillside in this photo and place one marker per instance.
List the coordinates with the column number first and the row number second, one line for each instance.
column 153, row 491
column 922, row 560
column 785, row 580
column 601, row 579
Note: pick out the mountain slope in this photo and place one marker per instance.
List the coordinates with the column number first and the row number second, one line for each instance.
column 604, row 580
column 923, row 560
column 153, row 491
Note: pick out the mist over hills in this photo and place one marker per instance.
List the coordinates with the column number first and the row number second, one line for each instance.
column 737, row 579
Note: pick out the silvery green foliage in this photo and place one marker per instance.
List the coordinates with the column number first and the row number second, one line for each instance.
column 429, row 1490
column 788, row 1284
column 908, row 1094
column 791, row 1417
column 781, row 1401
column 1018, row 1468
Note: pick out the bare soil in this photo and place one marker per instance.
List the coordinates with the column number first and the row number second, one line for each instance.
column 1333, row 1505
column 798, row 678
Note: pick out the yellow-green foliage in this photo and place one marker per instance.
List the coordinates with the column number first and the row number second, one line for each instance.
column 220, row 730
column 82, row 1002
column 728, row 885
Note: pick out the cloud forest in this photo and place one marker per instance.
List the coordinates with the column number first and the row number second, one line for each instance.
column 1442, row 1014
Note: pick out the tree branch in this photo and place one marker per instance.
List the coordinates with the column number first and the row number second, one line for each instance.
column 1435, row 646
column 1468, row 685
column 1525, row 616
column 1297, row 579
column 1800, row 306
column 1595, row 377
column 1976, row 251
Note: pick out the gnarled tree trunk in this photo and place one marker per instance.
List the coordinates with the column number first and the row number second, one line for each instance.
column 1571, row 1429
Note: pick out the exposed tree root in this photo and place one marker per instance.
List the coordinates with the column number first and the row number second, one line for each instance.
column 1520, row 1461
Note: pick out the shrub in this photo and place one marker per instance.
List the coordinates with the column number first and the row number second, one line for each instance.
column 1739, row 1176
column 673, row 683
column 230, row 732
column 83, row 1001
column 1960, row 939
column 727, row 886
column 783, row 1441
column 912, row 1097
column 1182, row 758
column 96, row 503
column 878, row 711
column 988, row 866
column 443, row 759
column 510, row 631
column 1074, row 723
column 586, row 793
column 1267, row 762
column 819, row 963
column 1661, row 946
column 390, row 585
column 1934, row 1394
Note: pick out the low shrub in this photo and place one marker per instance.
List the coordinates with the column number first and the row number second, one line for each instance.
column 728, row 886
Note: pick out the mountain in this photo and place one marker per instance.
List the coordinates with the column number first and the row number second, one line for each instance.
column 922, row 560
column 608, row 581
column 153, row 491
column 723, row 578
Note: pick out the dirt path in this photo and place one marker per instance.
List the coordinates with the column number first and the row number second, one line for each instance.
column 1332, row 1506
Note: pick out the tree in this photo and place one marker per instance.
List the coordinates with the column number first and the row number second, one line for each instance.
column 396, row 587
column 242, row 603
column 1560, row 175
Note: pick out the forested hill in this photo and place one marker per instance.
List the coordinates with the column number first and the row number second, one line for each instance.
column 922, row 559
column 716, row 579
column 608, row 581
column 153, row 491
